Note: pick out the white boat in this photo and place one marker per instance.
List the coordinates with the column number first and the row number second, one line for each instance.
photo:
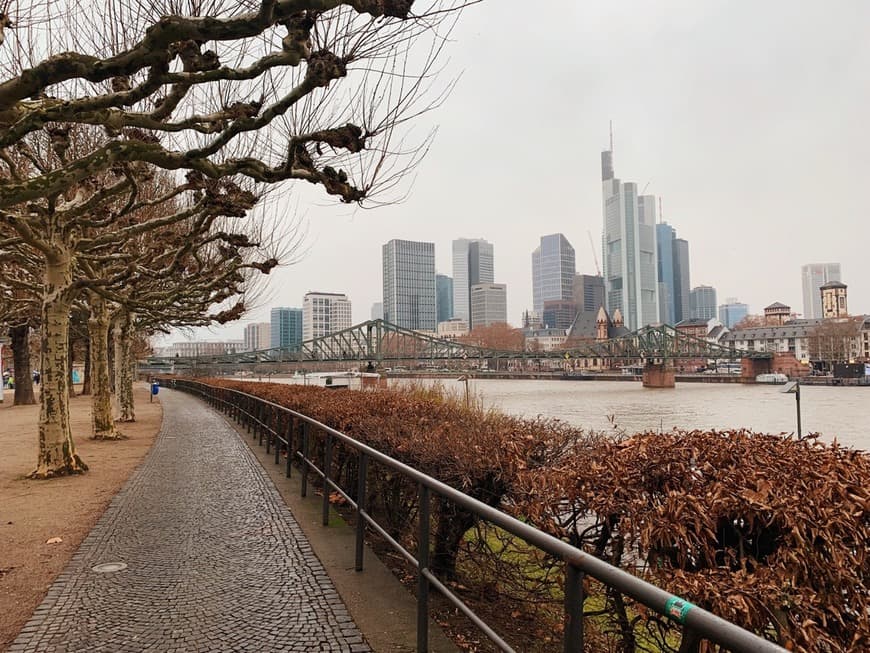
column 335, row 380
column 775, row 377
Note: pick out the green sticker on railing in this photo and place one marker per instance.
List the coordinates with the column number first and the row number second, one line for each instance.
column 677, row 609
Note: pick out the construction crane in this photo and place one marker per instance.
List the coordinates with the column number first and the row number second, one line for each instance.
column 594, row 254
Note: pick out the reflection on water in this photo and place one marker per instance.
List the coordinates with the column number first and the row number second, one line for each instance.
column 835, row 412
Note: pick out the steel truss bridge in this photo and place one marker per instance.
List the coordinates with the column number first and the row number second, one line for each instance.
column 377, row 341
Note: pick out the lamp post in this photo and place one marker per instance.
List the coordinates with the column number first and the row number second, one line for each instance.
column 794, row 387
column 465, row 377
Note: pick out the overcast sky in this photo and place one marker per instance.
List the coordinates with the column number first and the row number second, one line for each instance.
column 747, row 118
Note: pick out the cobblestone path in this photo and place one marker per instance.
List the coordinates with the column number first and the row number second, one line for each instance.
column 215, row 561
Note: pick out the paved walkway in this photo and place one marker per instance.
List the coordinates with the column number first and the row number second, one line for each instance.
column 215, row 561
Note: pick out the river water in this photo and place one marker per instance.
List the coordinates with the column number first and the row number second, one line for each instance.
column 834, row 412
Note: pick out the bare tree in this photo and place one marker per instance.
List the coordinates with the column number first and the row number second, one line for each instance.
column 96, row 96
column 835, row 340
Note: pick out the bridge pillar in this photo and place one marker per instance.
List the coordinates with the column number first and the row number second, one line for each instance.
column 659, row 375
column 752, row 367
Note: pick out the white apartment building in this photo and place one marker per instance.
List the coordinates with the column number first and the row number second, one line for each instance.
column 452, row 328
column 324, row 313
column 488, row 304
column 257, row 336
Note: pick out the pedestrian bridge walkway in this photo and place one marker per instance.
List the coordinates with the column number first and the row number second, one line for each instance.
column 198, row 552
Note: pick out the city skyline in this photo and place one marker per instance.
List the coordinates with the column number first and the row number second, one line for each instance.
column 723, row 138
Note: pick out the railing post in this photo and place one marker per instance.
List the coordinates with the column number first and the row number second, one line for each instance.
column 573, row 610
column 423, row 565
column 291, row 431
column 261, row 409
column 305, row 434
column 277, row 441
column 360, row 508
column 267, row 427
column 327, row 465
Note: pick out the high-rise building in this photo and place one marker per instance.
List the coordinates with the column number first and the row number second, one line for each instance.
column 813, row 277
column 257, row 336
column 444, row 297
column 409, row 284
column 324, row 313
column 553, row 270
column 682, row 281
column 285, row 328
column 488, row 304
column 703, row 303
column 377, row 312
column 630, row 269
column 559, row 313
column 732, row 311
column 672, row 259
column 472, row 263
column 588, row 292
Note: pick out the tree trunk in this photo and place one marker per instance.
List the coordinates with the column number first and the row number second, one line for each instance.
column 86, row 377
column 101, row 394
column 70, row 361
column 23, row 375
column 122, row 335
column 57, row 454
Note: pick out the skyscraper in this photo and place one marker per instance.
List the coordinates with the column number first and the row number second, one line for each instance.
column 285, row 328
column 703, row 302
column 409, row 284
column 630, row 269
column 553, row 270
column 813, row 277
column 732, row 311
column 682, row 281
column 324, row 313
column 588, row 292
column 672, row 258
column 472, row 263
column 444, row 297
column 488, row 304
column 377, row 312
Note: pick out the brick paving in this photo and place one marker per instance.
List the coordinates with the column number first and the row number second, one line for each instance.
column 215, row 560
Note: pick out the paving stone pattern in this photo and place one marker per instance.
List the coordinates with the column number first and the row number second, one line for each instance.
column 215, row 560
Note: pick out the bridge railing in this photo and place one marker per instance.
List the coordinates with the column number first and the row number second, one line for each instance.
column 297, row 439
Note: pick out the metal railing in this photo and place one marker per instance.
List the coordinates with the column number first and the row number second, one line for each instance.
column 257, row 415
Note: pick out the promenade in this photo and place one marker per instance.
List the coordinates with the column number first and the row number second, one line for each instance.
column 203, row 555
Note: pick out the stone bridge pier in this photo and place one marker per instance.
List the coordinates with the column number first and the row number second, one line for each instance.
column 659, row 374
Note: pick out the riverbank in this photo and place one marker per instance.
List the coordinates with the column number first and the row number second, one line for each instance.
column 34, row 512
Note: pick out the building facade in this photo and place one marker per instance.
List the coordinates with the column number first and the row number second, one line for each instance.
column 409, row 284
column 833, row 297
column 813, row 277
column 443, row 297
column 559, row 314
column 453, row 328
column 257, row 336
column 732, row 311
column 672, row 260
column 324, row 313
column 193, row 348
column 488, row 304
column 553, row 271
column 377, row 311
column 703, row 303
column 630, row 266
column 473, row 262
column 285, row 327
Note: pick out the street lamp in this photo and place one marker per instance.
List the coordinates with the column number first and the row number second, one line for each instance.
column 794, row 387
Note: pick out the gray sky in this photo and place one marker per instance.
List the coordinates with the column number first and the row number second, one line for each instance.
column 746, row 118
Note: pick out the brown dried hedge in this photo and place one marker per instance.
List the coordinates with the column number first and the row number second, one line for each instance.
column 766, row 531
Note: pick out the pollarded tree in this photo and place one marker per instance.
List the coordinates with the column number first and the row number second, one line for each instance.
column 94, row 94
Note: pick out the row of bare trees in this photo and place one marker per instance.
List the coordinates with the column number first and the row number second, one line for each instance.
column 138, row 144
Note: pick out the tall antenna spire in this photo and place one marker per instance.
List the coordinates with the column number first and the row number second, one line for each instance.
column 611, row 136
